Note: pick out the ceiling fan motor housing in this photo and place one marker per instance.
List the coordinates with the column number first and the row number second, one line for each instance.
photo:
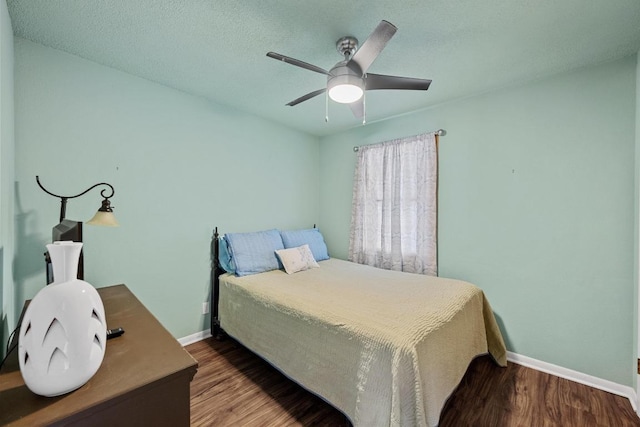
column 344, row 84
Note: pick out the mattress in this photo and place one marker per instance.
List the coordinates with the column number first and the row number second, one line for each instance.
column 386, row 348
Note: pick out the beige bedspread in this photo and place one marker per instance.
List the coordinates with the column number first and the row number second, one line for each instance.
column 386, row 348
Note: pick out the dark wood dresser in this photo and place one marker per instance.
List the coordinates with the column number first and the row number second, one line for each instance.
column 143, row 380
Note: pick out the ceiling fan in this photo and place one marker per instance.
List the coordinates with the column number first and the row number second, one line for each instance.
column 348, row 80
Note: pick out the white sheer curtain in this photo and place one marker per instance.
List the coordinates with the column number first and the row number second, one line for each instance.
column 394, row 209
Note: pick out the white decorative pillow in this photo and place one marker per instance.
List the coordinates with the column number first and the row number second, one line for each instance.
column 297, row 259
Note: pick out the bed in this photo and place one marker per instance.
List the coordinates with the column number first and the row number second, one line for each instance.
column 384, row 347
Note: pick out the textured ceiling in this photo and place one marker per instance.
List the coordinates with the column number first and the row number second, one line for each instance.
column 217, row 49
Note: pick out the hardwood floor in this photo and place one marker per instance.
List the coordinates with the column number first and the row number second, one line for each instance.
column 234, row 387
column 518, row 396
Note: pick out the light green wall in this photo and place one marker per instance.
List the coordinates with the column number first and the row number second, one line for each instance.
column 180, row 165
column 536, row 206
column 7, row 147
column 536, row 194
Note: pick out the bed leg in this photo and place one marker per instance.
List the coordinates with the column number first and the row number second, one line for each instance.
column 217, row 332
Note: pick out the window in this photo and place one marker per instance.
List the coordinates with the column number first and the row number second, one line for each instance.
column 394, row 210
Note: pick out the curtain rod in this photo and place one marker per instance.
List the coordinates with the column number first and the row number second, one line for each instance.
column 439, row 132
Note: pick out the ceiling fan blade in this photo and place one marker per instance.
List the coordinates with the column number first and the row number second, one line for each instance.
column 306, row 97
column 297, row 63
column 380, row 81
column 357, row 108
column 372, row 46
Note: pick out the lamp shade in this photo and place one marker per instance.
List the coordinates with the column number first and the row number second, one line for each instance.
column 104, row 216
column 107, row 219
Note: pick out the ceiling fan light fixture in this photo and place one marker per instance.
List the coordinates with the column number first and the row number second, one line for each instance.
column 345, row 88
column 348, row 79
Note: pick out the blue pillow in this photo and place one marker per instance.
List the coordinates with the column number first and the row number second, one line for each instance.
column 224, row 257
column 311, row 237
column 254, row 252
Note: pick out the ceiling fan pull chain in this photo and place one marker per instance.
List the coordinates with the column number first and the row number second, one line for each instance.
column 326, row 106
column 364, row 108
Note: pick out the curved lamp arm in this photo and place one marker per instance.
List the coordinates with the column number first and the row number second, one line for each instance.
column 106, row 205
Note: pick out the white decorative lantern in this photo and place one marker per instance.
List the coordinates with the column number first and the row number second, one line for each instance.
column 63, row 334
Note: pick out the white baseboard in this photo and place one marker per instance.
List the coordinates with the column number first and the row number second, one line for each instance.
column 198, row 336
column 579, row 377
